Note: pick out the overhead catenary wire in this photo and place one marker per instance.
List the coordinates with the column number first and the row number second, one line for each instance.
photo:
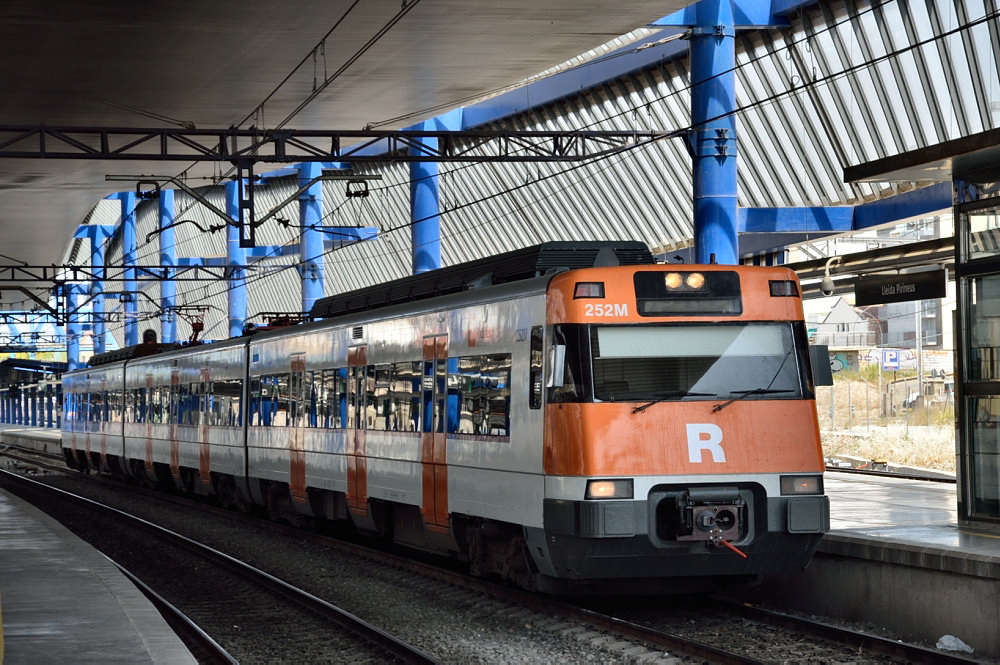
column 769, row 100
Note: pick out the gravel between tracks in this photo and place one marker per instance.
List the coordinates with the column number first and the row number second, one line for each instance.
column 455, row 625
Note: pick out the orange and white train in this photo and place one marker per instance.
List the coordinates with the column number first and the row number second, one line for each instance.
column 571, row 417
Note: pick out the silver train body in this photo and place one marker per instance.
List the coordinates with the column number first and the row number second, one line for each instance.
column 428, row 423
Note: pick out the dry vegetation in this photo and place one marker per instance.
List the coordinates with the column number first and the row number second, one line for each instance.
column 859, row 428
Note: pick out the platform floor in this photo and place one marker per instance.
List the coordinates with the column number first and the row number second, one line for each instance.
column 905, row 515
column 62, row 601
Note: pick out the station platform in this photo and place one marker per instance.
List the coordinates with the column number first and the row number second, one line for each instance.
column 62, row 601
column 895, row 557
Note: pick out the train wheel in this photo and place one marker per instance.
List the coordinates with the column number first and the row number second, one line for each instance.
column 229, row 495
column 280, row 507
column 499, row 550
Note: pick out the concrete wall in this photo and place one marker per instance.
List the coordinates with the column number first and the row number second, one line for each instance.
column 919, row 593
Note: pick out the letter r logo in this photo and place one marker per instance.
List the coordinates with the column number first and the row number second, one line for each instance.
column 705, row 436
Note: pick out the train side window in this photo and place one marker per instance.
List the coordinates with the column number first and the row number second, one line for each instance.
column 408, row 384
column 535, row 383
column 310, row 397
column 253, row 403
column 329, row 399
column 481, row 387
column 380, row 398
column 116, row 406
column 226, row 402
column 370, row 417
column 175, row 404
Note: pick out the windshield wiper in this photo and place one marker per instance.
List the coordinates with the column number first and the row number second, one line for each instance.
column 669, row 396
column 742, row 394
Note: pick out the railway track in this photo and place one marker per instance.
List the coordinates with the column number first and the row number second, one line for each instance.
column 228, row 597
column 634, row 627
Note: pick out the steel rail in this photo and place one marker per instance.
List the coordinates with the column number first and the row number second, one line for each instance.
column 397, row 648
column 207, row 649
column 911, row 653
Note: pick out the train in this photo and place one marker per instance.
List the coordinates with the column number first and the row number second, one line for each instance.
column 571, row 418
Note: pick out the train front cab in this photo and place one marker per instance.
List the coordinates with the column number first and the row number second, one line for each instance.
column 681, row 443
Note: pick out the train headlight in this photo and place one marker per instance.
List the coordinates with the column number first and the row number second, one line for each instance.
column 801, row 484
column 609, row 489
column 695, row 281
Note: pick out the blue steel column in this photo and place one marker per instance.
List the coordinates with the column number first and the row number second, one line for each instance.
column 72, row 329
column 33, row 404
column 425, row 210
column 168, row 257
column 713, row 98
column 236, row 261
column 97, row 291
column 311, row 243
column 128, row 200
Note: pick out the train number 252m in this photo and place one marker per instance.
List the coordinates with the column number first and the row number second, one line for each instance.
column 605, row 309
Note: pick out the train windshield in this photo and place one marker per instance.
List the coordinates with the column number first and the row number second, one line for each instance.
column 682, row 362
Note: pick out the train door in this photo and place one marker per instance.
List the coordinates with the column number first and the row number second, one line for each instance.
column 298, row 415
column 434, row 385
column 357, row 468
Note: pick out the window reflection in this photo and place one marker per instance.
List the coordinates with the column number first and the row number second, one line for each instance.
column 984, row 454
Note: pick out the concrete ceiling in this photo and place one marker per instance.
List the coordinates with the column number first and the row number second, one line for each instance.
column 227, row 63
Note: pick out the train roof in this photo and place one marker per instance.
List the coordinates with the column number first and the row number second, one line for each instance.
column 503, row 269
column 520, row 264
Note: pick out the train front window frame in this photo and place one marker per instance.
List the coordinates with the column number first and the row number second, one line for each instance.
column 687, row 361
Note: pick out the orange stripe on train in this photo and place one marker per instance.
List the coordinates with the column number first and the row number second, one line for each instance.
column 750, row 436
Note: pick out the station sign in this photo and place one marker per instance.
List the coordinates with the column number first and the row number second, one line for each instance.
column 879, row 289
column 890, row 360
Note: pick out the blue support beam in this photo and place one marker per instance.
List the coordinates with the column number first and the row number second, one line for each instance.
column 97, row 294
column 801, row 220
column 747, row 14
column 73, row 331
column 425, row 209
column 236, row 261
column 129, row 200
column 311, row 259
column 915, row 203
column 168, row 257
column 98, row 235
column 842, row 219
column 713, row 132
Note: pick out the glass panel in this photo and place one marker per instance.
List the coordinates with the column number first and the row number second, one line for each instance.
column 984, row 328
column 535, row 375
column 982, row 234
column 406, row 391
column 482, row 384
column 984, row 454
column 380, row 398
column 331, row 398
column 282, row 400
column 745, row 361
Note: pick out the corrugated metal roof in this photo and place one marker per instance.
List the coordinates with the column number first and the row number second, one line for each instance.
column 848, row 82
